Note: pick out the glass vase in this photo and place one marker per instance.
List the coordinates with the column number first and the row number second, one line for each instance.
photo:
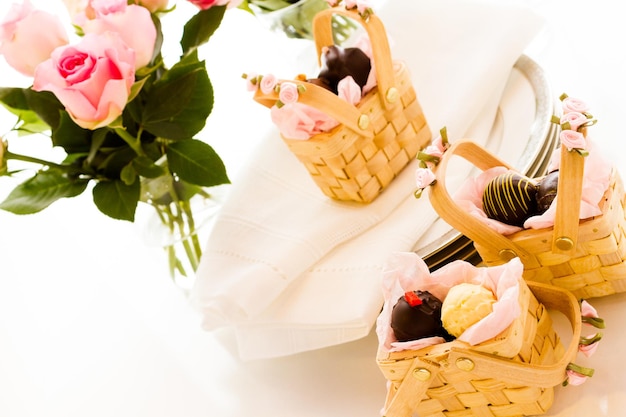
column 177, row 217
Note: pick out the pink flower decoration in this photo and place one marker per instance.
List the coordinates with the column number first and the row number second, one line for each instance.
column 288, row 93
column 588, row 350
column 572, row 139
column 424, row 177
column 587, row 310
column 252, row 83
column 574, row 378
column 332, row 3
column 433, row 150
column 363, row 5
column 299, row 121
column 571, row 104
column 268, row 82
column 575, row 119
column 349, row 90
column 350, row 4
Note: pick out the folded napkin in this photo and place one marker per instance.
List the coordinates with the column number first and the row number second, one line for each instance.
column 292, row 270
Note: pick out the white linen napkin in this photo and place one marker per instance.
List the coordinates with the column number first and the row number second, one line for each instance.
column 292, row 270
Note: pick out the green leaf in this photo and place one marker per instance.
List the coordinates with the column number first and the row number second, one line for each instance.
column 178, row 105
column 116, row 199
column 71, row 137
column 38, row 192
column 197, row 163
column 14, row 99
column 145, row 167
column 199, row 29
column 128, row 174
column 46, row 105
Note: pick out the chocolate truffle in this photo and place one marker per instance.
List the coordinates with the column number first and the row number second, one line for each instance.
column 510, row 198
column 339, row 62
column 416, row 315
column 546, row 191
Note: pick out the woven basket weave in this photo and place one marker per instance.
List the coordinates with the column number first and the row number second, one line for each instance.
column 586, row 257
column 457, row 380
column 375, row 139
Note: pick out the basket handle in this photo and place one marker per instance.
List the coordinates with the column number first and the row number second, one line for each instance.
column 325, row 101
column 381, row 51
column 536, row 375
column 570, row 188
column 463, row 221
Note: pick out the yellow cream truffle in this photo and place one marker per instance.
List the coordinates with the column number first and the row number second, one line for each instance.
column 465, row 305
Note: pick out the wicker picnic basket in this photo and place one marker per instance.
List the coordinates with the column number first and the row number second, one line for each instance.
column 376, row 138
column 456, row 379
column 586, row 257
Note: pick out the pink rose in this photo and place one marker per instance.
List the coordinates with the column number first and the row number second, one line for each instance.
column 28, row 36
column 349, row 90
column 105, row 7
column 575, row 119
column 363, row 5
column 424, row 177
column 207, row 4
column 299, row 121
column 92, row 79
column 268, row 82
column 573, row 104
column 153, row 5
column 127, row 21
column 288, row 93
column 350, row 4
column 572, row 139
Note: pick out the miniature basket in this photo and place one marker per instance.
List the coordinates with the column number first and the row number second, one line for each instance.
column 456, row 379
column 376, row 138
column 586, row 257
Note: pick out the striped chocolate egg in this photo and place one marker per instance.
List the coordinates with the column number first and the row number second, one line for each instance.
column 510, row 198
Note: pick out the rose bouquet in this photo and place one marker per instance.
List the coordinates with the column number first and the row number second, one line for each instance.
column 116, row 118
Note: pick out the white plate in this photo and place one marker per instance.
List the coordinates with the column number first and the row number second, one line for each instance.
column 522, row 135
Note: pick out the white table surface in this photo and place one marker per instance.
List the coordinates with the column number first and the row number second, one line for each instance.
column 90, row 325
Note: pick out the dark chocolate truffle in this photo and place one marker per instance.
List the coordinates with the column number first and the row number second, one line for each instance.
column 510, row 198
column 546, row 191
column 417, row 315
column 339, row 62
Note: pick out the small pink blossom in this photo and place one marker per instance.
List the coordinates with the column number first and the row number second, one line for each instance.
column 288, row 93
column 587, row 310
column 433, row 150
column 424, row 177
column 332, row 3
column 572, row 139
column 571, row 104
column 363, row 5
column 575, row 119
column 574, row 378
column 268, row 82
column 252, row 81
column 588, row 350
column 349, row 90
column 350, row 4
